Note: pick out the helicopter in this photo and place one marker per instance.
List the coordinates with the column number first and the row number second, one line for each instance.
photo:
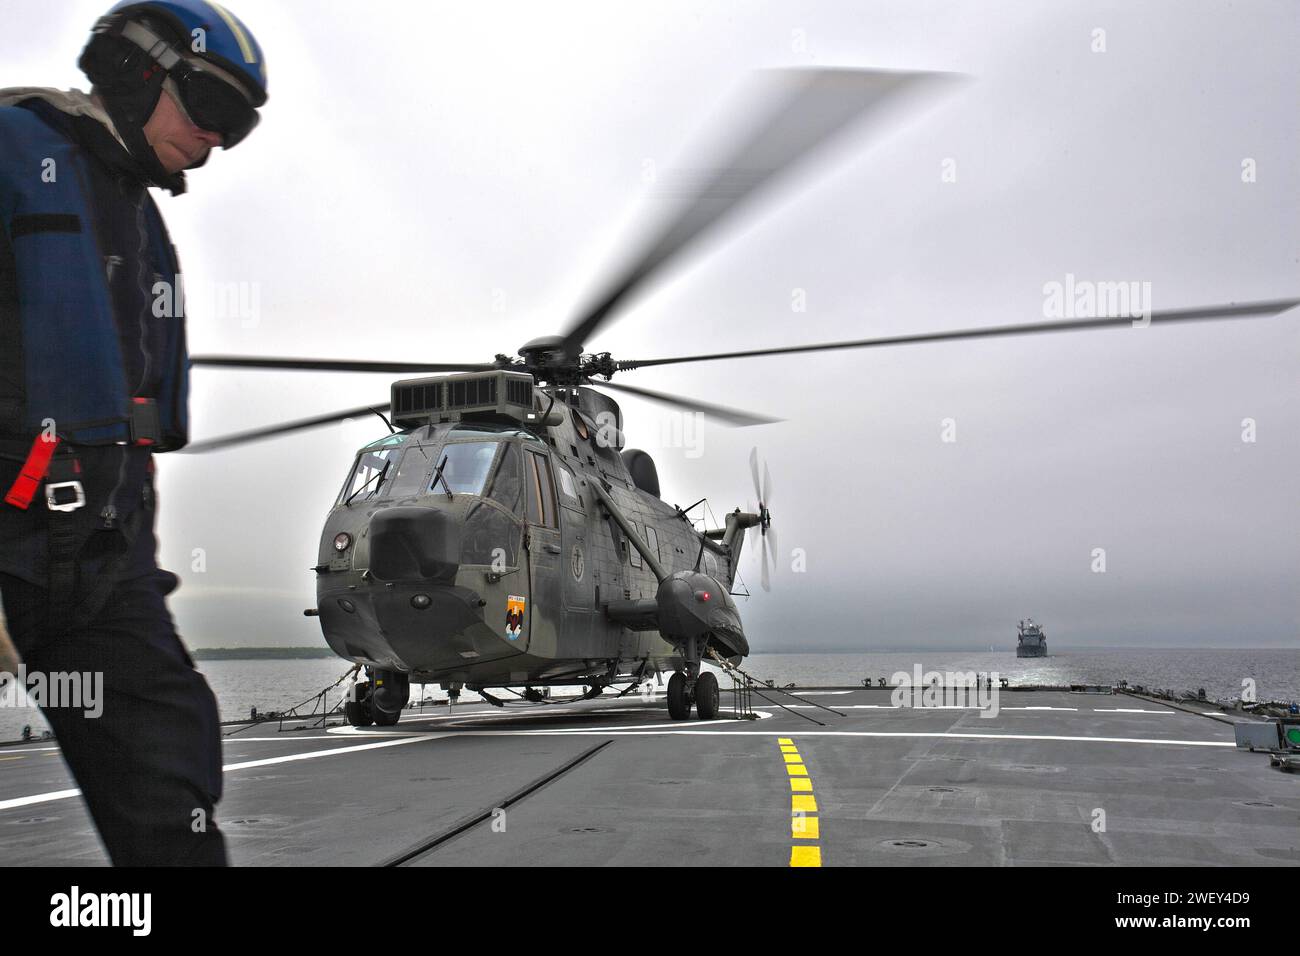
column 503, row 536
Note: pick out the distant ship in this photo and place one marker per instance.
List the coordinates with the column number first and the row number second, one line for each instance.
column 1033, row 642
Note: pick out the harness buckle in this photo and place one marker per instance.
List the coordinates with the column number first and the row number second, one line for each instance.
column 61, row 502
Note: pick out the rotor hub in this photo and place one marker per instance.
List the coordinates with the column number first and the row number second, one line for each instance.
column 549, row 359
column 548, row 351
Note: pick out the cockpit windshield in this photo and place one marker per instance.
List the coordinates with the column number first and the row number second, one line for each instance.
column 465, row 466
column 412, row 473
column 471, row 459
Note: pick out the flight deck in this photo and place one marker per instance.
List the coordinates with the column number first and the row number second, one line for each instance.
column 1055, row 778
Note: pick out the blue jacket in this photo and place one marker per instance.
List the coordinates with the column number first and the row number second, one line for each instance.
column 83, row 251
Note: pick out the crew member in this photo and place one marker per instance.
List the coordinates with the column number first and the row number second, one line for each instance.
column 93, row 382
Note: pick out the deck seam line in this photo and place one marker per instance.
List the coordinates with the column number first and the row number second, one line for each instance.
column 446, row 836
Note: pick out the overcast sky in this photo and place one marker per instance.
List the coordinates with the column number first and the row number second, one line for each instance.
column 447, row 181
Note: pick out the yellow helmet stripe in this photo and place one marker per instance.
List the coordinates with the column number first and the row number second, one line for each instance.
column 245, row 47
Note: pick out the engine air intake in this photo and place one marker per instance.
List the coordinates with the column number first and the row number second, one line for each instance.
column 445, row 398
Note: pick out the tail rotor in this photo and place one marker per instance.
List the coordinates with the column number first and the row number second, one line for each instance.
column 767, row 535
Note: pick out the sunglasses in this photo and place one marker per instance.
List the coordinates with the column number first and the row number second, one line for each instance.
column 213, row 104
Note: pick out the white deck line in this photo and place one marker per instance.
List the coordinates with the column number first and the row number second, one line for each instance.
column 53, row 795
column 792, row 732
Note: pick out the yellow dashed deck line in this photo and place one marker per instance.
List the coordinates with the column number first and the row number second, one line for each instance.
column 805, row 856
column 11, row 758
column 804, row 827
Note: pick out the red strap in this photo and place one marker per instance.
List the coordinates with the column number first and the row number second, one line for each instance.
column 33, row 472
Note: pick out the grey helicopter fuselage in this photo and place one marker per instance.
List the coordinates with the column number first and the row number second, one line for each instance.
column 480, row 552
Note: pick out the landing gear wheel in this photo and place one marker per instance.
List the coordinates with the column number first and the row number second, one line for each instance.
column 357, row 713
column 706, row 696
column 679, row 705
column 384, row 719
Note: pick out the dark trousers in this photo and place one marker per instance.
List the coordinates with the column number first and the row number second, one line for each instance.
column 150, row 765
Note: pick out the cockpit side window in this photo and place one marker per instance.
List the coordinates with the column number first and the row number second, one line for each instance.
column 371, row 470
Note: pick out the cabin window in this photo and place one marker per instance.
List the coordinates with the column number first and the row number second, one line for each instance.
column 541, row 491
column 652, row 541
column 566, row 482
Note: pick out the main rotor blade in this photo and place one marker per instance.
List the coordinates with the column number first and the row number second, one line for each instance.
column 803, row 109
column 728, row 416
column 332, row 365
column 1243, row 310
column 239, row 438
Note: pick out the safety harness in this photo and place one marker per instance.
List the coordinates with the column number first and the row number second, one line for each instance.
column 53, row 463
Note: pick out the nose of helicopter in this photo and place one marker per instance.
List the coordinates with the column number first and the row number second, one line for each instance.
column 408, row 627
column 409, row 613
column 414, row 544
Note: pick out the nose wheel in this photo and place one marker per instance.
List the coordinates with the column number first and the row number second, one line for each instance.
column 683, row 694
column 679, row 698
column 706, row 696
column 362, row 709
column 357, row 711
